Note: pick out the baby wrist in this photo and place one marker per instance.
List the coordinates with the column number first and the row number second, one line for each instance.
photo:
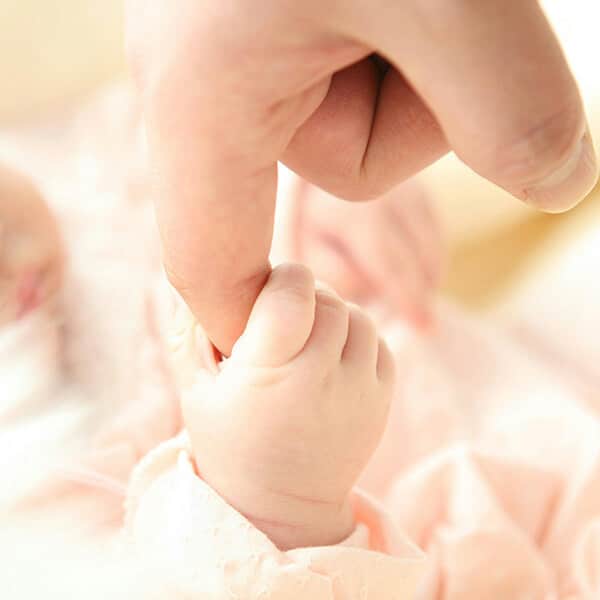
column 298, row 524
column 288, row 519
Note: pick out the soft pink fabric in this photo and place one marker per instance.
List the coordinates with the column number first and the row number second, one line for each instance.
column 490, row 462
column 198, row 546
column 103, row 343
column 510, row 512
column 515, row 516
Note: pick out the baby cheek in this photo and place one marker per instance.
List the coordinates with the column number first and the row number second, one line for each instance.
column 8, row 302
column 25, row 291
column 37, row 267
column 30, row 294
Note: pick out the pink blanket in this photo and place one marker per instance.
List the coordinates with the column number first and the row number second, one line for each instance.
column 489, row 464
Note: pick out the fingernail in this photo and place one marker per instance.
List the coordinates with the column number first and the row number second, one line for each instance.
column 569, row 184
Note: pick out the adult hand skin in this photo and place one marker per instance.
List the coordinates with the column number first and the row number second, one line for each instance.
column 231, row 87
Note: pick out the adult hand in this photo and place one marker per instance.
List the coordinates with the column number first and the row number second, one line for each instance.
column 229, row 88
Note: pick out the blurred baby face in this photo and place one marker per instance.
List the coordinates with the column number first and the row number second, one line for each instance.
column 386, row 254
column 30, row 249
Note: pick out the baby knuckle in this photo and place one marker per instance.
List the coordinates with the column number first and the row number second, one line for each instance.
column 362, row 321
column 295, row 280
column 362, row 317
column 331, row 302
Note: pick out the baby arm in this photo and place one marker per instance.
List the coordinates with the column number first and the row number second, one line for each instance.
column 258, row 494
column 284, row 428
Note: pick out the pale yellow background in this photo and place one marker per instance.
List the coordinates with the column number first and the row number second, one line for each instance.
column 55, row 51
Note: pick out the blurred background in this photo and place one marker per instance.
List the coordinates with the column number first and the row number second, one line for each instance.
column 56, row 53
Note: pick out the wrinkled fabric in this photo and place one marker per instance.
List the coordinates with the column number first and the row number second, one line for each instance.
column 513, row 516
column 198, row 546
column 489, row 463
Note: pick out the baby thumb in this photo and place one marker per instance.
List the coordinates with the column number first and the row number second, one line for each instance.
column 281, row 320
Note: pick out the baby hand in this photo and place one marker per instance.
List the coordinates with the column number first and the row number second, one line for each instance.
column 284, row 428
column 30, row 249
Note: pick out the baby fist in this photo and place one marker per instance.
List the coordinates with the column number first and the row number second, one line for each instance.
column 284, row 428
